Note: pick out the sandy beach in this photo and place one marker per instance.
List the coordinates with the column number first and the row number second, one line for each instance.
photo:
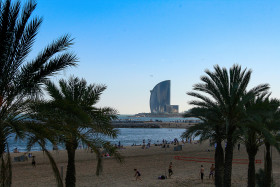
column 152, row 163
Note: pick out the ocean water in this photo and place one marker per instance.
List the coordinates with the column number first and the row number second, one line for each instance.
column 163, row 119
column 127, row 137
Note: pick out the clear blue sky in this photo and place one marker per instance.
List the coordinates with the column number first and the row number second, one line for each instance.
column 132, row 45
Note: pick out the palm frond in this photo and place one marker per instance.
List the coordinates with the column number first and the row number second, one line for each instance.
column 53, row 165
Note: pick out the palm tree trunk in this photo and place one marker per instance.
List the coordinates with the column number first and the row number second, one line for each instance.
column 70, row 179
column 228, row 161
column 2, row 145
column 251, row 167
column 268, row 168
column 219, row 165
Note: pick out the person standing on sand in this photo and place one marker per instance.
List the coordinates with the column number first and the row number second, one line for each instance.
column 143, row 146
column 170, row 172
column 137, row 175
column 201, row 173
column 33, row 161
column 212, row 170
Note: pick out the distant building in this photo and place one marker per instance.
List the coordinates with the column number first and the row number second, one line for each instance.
column 160, row 99
column 172, row 108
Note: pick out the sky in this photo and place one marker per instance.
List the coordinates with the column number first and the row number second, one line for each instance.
column 131, row 45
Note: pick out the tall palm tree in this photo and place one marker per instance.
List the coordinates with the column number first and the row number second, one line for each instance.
column 20, row 78
column 212, row 128
column 252, row 144
column 250, row 133
column 227, row 89
column 261, row 120
column 271, row 121
column 71, row 115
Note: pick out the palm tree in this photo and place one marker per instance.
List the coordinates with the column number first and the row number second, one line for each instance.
column 227, row 89
column 251, row 132
column 212, row 127
column 260, row 122
column 252, row 143
column 251, row 138
column 20, row 78
column 271, row 121
column 72, row 116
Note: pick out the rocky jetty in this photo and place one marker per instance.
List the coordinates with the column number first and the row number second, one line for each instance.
column 150, row 124
column 132, row 124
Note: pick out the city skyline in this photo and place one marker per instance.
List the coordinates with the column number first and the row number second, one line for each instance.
column 130, row 46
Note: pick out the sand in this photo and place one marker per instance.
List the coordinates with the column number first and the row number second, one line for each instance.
column 151, row 163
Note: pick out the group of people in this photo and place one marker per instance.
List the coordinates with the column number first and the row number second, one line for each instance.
column 137, row 174
column 148, row 144
column 163, row 143
column 212, row 172
column 119, row 146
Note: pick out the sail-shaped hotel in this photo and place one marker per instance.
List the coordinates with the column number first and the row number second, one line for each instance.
column 160, row 99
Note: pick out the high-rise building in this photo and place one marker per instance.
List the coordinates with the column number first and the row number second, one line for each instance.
column 160, row 99
column 160, row 96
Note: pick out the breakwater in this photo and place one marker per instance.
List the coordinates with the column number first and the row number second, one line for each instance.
column 151, row 124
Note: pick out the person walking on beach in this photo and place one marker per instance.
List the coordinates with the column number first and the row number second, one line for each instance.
column 212, row 170
column 143, row 146
column 33, row 161
column 170, row 172
column 137, row 175
column 201, row 173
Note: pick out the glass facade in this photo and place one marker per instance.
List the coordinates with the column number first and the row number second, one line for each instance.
column 160, row 97
column 172, row 108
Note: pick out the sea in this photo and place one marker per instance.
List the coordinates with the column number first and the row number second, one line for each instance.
column 163, row 119
column 126, row 136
